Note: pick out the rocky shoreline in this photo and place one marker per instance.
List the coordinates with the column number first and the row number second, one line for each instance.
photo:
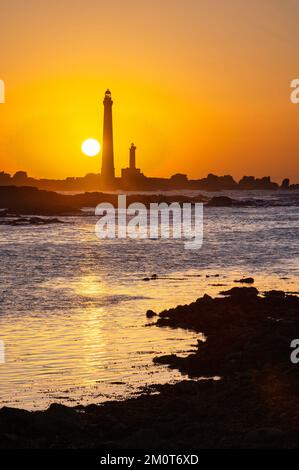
column 253, row 404
column 18, row 200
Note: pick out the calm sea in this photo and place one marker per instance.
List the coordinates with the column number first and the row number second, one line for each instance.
column 72, row 307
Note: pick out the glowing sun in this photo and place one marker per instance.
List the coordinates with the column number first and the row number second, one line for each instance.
column 91, row 147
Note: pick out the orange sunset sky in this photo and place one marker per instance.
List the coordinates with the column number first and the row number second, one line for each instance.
column 199, row 85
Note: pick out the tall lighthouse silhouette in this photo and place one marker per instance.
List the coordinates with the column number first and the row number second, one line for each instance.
column 107, row 173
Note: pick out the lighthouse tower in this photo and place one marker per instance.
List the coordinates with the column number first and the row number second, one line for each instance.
column 133, row 157
column 107, row 173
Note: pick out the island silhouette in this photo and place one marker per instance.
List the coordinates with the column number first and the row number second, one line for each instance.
column 178, row 181
column 132, row 178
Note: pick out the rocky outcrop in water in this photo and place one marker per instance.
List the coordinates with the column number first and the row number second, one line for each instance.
column 244, row 330
column 245, row 280
column 22, row 221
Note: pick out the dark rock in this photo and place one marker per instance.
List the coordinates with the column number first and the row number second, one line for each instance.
column 40, row 221
column 220, row 201
column 22, row 221
column 275, row 294
column 242, row 292
column 151, row 314
column 246, row 280
column 206, row 298
column 167, row 359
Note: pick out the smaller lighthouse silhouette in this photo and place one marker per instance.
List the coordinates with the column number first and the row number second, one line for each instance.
column 133, row 157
